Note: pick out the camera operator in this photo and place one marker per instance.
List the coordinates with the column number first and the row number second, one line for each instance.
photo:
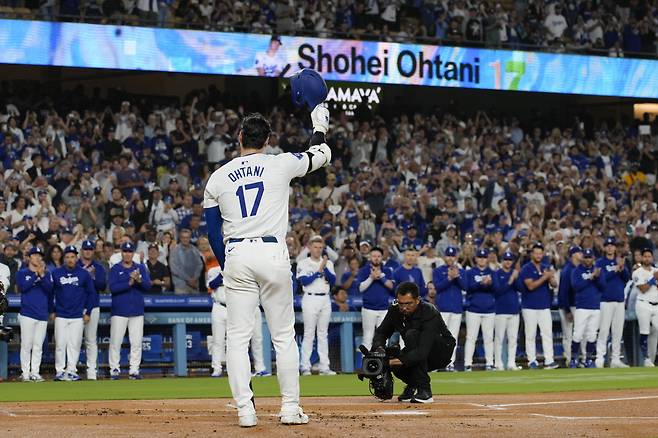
column 428, row 342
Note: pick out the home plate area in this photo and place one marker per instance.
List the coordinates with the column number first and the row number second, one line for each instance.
column 601, row 413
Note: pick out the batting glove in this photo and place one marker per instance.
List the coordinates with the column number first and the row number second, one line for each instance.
column 320, row 119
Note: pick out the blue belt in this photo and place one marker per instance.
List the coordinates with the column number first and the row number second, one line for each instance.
column 265, row 239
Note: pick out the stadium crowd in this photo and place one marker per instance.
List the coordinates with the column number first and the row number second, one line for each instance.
column 448, row 193
column 621, row 28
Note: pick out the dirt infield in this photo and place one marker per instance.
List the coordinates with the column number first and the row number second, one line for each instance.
column 583, row 414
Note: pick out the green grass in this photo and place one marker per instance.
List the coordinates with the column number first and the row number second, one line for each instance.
column 341, row 385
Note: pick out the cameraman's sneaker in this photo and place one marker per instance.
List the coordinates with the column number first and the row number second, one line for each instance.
column 407, row 395
column 423, row 396
column 294, row 417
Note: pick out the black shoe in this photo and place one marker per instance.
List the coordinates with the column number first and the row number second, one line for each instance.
column 422, row 396
column 407, row 395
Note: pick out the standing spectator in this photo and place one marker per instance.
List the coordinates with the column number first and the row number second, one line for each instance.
column 538, row 277
column 186, row 265
column 317, row 276
column 160, row 275
column 35, row 285
column 376, row 284
column 446, row 280
column 99, row 277
column 7, row 259
column 555, row 24
column 473, row 26
column 506, row 321
column 74, row 291
column 128, row 281
column 480, row 284
column 339, row 300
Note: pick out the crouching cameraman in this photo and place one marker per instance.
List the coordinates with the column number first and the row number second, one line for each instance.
column 428, row 342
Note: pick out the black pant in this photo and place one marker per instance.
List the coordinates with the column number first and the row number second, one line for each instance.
column 415, row 375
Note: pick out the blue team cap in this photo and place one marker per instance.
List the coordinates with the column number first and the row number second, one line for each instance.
column 647, row 249
column 575, row 249
column 35, row 250
column 508, row 255
column 588, row 253
column 168, row 199
column 610, row 241
column 482, row 253
column 88, row 244
column 450, row 251
column 538, row 245
column 128, row 247
column 72, row 249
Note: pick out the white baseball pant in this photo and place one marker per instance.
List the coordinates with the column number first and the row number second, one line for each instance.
column 91, row 341
column 257, row 342
column 68, row 340
column 218, row 345
column 611, row 323
column 33, row 333
column 370, row 320
column 567, row 333
column 506, row 325
column 647, row 316
column 118, row 326
column 533, row 318
column 255, row 272
column 316, row 312
column 453, row 322
column 653, row 343
column 473, row 323
column 586, row 325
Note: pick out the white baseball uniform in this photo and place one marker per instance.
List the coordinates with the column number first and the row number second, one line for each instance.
column 251, row 193
column 316, row 311
column 646, row 305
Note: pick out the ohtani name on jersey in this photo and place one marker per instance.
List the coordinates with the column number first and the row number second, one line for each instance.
column 246, row 171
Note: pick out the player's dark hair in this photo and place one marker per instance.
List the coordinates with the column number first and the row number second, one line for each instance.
column 406, row 288
column 255, row 131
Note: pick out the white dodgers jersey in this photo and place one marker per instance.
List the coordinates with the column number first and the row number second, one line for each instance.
column 640, row 277
column 252, row 194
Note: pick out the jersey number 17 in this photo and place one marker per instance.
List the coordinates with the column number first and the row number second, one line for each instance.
column 240, row 193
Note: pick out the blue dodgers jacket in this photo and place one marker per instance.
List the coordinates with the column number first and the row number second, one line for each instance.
column 565, row 295
column 615, row 281
column 74, row 292
column 100, row 282
column 539, row 298
column 587, row 289
column 507, row 295
column 480, row 298
column 36, row 294
column 128, row 300
column 377, row 295
column 448, row 292
column 415, row 275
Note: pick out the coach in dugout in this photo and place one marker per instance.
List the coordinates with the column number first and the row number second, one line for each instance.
column 428, row 342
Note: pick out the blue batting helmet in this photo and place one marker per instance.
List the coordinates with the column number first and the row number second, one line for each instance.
column 308, row 87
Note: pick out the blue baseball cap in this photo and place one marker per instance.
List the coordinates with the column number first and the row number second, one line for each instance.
column 128, row 247
column 482, row 253
column 35, row 250
column 575, row 249
column 508, row 255
column 610, row 241
column 88, row 244
column 588, row 253
column 450, row 251
column 538, row 245
column 71, row 249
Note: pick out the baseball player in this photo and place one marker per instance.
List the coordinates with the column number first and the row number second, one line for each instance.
column 376, row 285
column 99, row 277
column 613, row 314
column 35, row 285
column 536, row 298
column 566, row 299
column 646, row 305
column 506, row 321
column 587, row 283
column 317, row 276
column 215, row 282
column 246, row 200
column 409, row 271
column 480, row 285
column 449, row 300
column 74, row 291
column 128, row 281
